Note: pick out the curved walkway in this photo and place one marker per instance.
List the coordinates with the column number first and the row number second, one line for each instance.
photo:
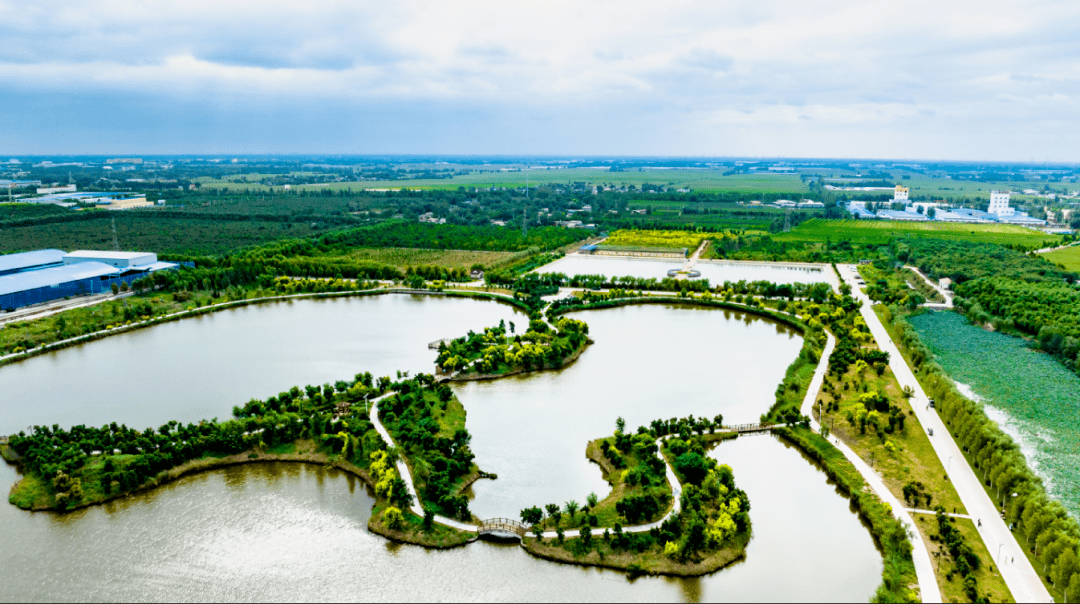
column 1019, row 575
column 920, row 554
column 416, row 508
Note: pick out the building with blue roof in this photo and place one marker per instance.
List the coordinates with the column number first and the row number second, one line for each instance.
column 46, row 275
column 16, row 263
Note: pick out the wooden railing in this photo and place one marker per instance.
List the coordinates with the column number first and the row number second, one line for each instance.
column 502, row 525
column 746, row 428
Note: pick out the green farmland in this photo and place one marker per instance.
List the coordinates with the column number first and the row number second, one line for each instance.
column 1068, row 257
column 704, row 181
column 881, row 231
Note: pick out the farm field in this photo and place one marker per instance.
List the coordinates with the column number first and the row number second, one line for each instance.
column 881, row 231
column 705, row 181
column 1028, row 393
column 1068, row 257
column 161, row 235
column 406, row 257
column 656, row 239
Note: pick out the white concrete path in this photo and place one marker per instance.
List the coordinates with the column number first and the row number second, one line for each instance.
column 920, row 553
column 1020, row 576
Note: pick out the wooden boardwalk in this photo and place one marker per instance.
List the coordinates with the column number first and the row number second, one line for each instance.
column 752, row 428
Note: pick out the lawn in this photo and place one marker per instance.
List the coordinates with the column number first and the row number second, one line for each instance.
column 882, row 231
column 1068, row 257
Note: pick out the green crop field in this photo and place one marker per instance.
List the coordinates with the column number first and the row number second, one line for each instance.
column 1068, row 257
column 656, row 239
column 406, row 257
column 881, row 231
column 705, row 181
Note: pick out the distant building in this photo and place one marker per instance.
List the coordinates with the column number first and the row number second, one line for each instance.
column 901, row 193
column 124, row 160
column 47, row 275
column 51, row 190
column 18, row 184
column 999, row 204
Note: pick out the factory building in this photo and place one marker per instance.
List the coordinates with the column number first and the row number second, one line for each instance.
column 47, row 275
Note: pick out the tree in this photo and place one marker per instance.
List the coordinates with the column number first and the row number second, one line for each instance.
column 620, row 425
column 592, row 500
column 393, row 518
column 115, row 289
column 532, row 516
column 553, row 511
column 571, row 508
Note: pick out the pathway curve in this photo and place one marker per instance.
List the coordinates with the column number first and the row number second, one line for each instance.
column 945, row 294
column 416, row 508
column 1020, row 576
column 920, row 553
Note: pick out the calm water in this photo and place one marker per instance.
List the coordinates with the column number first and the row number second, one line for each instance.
column 649, row 362
column 294, row 532
column 612, row 267
column 199, row 368
column 718, row 272
column 715, row 272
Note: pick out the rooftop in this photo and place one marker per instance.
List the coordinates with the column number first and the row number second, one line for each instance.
column 15, row 262
column 111, row 255
column 47, row 277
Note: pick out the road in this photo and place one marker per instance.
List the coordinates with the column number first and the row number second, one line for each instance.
column 1016, row 570
column 920, row 553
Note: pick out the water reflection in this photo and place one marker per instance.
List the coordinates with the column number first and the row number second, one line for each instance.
column 276, row 531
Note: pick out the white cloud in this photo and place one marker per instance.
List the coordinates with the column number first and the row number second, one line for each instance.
column 725, row 64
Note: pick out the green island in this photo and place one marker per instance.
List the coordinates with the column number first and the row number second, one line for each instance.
column 860, row 402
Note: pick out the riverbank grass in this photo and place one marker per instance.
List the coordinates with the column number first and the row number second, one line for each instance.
column 951, row 583
column 604, row 554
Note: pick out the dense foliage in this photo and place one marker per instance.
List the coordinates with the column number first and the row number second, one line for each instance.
column 87, row 464
column 421, row 418
column 494, row 352
column 1045, row 527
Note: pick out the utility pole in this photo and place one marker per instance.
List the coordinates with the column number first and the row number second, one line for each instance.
column 115, row 241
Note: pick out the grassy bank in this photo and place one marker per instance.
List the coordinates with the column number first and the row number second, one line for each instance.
column 1042, row 525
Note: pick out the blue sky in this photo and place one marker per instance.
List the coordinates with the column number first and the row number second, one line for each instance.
column 912, row 79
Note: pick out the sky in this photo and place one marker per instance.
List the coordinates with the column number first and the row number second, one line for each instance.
column 911, row 79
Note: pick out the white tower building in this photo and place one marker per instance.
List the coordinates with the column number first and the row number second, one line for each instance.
column 999, row 204
column 901, row 194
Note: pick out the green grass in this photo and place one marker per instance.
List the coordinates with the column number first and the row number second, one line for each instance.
column 406, row 257
column 882, row 231
column 705, row 181
column 1068, row 257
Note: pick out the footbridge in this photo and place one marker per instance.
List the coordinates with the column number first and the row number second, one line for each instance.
column 501, row 527
column 753, row 428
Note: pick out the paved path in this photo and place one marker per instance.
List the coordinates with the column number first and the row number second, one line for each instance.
column 406, row 474
column 933, row 513
column 920, row 553
column 1020, row 576
column 945, row 294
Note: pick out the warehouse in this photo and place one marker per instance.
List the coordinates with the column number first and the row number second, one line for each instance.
column 47, row 275
column 16, row 263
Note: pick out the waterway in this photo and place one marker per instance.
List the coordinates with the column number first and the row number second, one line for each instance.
column 297, row 532
column 649, row 362
column 1032, row 396
column 657, row 268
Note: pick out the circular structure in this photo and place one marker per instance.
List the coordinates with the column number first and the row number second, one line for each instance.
column 690, row 274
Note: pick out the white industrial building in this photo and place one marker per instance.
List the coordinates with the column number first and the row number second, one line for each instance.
column 901, row 194
column 121, row 260
column 999, row 204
